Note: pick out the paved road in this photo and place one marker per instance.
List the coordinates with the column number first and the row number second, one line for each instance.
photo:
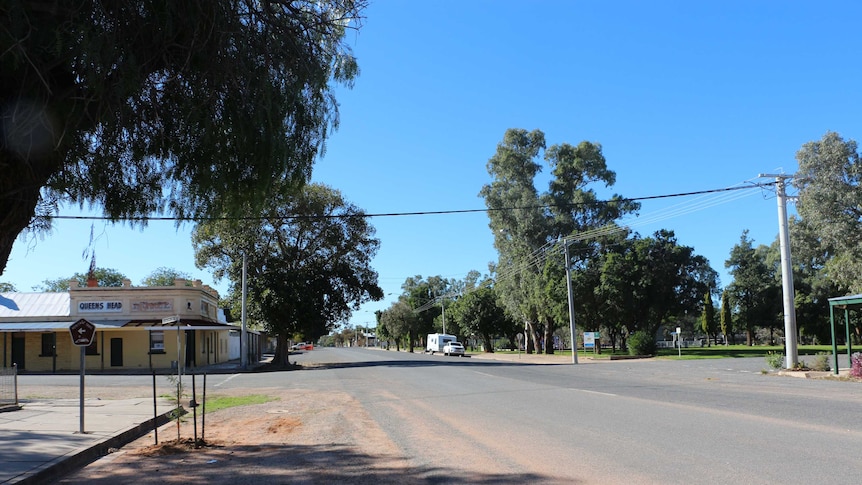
column 657, row 421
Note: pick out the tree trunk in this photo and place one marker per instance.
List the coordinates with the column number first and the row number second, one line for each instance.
column 749, row 337
column 282, row 351
column 532, row 339
column 486, row 341
column 549, row 339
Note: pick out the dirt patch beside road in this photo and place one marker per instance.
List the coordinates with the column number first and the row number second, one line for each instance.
column 301, row 437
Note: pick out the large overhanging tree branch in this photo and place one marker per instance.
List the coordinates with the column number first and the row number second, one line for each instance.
column 191, row 108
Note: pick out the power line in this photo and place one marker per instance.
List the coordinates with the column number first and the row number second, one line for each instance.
column 538, row 257
column 401, row 214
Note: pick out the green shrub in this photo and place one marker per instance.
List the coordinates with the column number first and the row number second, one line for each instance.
column 775, row 360
column 821, row 362
column 641, row 343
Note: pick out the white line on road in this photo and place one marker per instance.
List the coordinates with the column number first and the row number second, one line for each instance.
column 226, row 380
column 596, row 392
column 484, row 374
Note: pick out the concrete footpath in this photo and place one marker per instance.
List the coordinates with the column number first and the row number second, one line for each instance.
column 41, row 441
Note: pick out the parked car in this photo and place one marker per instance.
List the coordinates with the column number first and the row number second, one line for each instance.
column 302, row 346
column 453, row 348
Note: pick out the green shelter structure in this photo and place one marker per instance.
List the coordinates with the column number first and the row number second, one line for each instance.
column 846, row 303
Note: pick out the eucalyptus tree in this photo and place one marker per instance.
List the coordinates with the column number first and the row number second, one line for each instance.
column 423, row 295
column 190, row 108
column 6, row 287
column 812, row 281
column 400, row 322
column 526, row 223
column 480, row 313
column 726, row 318
column 654, row 281
column 830, row 203
column 163, row 276
column 755, row 292
column 308, row 262
column 707, row 319
column 105, row 277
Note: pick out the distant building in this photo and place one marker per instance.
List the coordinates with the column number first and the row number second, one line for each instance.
column 130, row 333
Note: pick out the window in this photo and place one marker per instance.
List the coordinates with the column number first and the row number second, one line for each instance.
column 157, row 341
column 93, row 349
column 48, row 345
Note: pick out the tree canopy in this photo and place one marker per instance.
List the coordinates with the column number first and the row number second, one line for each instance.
column 308, row 262
column 830, row 205
column 165, row 277
column 192, row 108
column 653, row 281
column 106, row 277
column 526, row 223
column 756, row 291
column 479, row 313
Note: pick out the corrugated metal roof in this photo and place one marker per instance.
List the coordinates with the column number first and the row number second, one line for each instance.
column 53, row 304
column 34, row 326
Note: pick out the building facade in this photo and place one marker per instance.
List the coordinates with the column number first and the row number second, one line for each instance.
column 137, row 328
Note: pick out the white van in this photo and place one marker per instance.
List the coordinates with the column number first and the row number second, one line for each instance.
column 436, row 342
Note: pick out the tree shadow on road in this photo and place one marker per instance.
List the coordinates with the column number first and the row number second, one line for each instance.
column 276, row 464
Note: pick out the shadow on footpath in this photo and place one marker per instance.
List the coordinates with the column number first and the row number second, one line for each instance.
column 276, row 464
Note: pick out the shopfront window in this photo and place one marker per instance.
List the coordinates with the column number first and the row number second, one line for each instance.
column 157, row 341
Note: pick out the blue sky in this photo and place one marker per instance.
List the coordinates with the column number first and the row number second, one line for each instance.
column 683, row 96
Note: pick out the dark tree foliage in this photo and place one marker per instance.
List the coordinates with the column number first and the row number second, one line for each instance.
column 480, row 313
column 399, row 322
column 756, row 291
column 308, row 262
column 105, row 277
column 191, row 108
column 165, row 277
column 652, row 281
column 526, row 222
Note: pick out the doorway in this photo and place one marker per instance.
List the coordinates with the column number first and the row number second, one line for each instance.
column 190, row 348
column 116, row 352
column 18, row 351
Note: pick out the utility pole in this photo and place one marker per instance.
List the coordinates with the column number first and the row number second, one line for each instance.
column 443, row 312
column 243, row 341
column 571, row 303
column 786, row 270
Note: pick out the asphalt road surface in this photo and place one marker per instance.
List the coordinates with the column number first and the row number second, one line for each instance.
column 654, row 421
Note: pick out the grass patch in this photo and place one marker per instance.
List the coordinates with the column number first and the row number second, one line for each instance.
column 714, row 352
column 223, row 402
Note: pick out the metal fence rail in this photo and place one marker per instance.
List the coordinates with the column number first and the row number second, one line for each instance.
column 9, row 386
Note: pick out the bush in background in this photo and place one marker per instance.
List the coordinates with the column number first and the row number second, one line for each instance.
column 775, row 360
column 821, row 362
column 641, row 343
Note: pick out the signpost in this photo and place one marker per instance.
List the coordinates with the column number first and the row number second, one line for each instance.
column 168, row 321
column 82, row 333
column 590, row 339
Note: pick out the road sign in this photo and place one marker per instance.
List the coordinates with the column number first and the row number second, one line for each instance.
column 82, row 332
column 168, row 320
